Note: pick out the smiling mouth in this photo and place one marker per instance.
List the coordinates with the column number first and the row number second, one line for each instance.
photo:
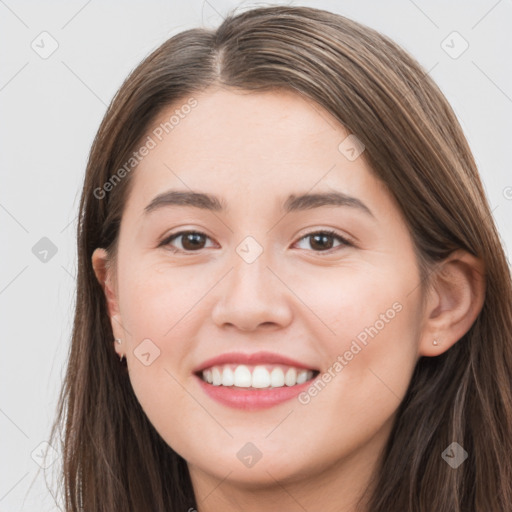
column 256, row 376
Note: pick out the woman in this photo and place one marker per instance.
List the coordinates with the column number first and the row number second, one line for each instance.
column 291, row 293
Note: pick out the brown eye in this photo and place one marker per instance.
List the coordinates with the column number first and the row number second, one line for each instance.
column 194, row 241
column 190, row 241
column 323, row 241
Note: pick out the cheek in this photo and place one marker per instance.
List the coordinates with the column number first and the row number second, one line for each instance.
column 154, row 311
column 372, row 355
column 154, row 303
column 369, row 336
column 358, row 296
column 366, row 375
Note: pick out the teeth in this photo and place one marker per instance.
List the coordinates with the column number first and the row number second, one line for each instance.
column 217, row 377
column 243, row 376
column 277, row 378
column 291, row 377
column 228, row 377
column 302, row 377
column 260, row 377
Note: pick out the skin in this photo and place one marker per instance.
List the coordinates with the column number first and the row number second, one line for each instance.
column 253, row 150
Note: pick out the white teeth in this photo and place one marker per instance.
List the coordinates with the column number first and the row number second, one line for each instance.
column 228, row 377
column 277, row 378
column 259, row 376
column 243, row 378
column 290, row 379
column 217, row 377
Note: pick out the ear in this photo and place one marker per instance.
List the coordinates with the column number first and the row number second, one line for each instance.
column 454, row 300
column 100, row 264
column 104, row 275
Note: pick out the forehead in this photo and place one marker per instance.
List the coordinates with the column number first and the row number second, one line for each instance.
column 248, row 142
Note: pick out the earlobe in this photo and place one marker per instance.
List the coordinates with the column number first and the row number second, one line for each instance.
column 455, row 299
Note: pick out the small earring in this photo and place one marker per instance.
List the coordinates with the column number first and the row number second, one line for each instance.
column 118, row 340
column 435, row 342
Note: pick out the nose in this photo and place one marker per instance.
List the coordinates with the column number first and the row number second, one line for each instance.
column 253, row 296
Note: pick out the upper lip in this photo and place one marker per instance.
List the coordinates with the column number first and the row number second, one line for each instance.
column 252, row 359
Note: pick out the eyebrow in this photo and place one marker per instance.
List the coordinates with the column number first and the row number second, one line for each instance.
column 292, row 204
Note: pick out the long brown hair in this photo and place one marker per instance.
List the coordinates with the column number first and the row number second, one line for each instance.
column 113, row 459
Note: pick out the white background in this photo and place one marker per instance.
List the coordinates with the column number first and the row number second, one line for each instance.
column 50, row 110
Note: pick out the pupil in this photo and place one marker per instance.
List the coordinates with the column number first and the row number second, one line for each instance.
column 322, row 244
column 193, row 238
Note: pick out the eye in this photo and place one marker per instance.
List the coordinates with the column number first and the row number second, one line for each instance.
column 323, row 240
column 191, row 241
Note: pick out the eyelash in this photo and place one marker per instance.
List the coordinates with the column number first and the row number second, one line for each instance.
column 328, row 232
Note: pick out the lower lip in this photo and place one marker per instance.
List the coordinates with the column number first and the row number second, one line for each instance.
column 252, row 399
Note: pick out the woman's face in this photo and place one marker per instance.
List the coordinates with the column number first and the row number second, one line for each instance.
column 263, row 288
